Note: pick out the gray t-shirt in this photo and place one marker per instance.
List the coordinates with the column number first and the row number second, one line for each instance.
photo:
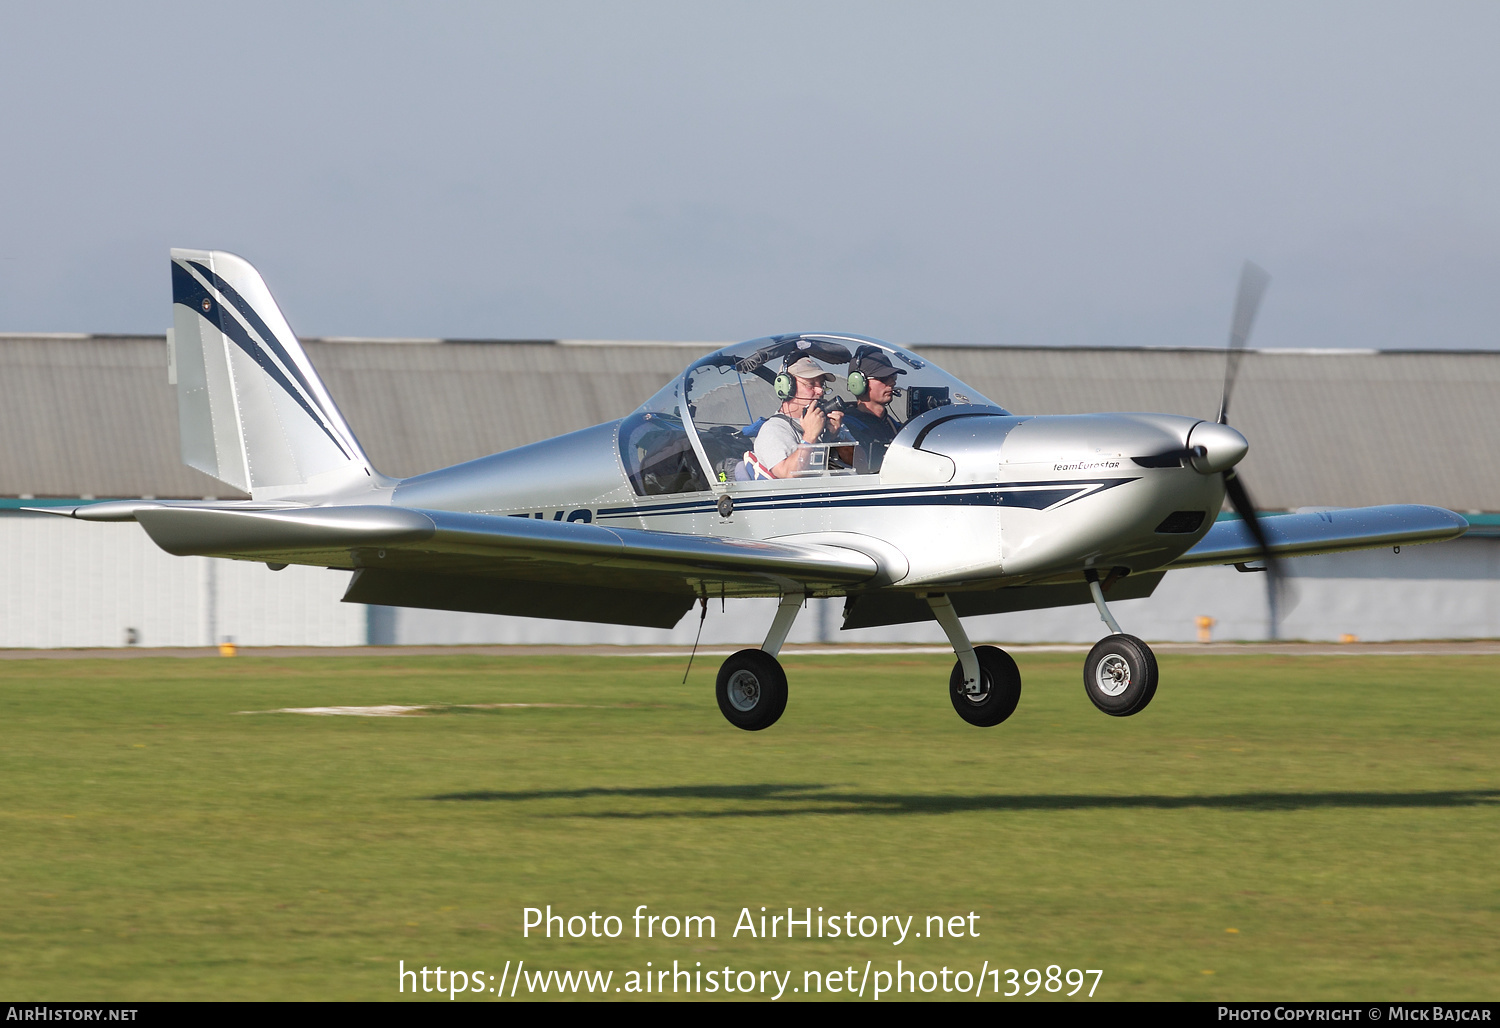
column 776, row 440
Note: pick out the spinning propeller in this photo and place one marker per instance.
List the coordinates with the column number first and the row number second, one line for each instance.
column 1253, row 283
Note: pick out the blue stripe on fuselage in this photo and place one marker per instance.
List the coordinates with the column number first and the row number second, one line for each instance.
column 1025, row 495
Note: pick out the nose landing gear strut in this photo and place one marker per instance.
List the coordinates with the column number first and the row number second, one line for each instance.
column 1120, row 673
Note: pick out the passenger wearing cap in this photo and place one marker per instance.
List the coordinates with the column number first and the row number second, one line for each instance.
column 872, row 380
column 779, row 452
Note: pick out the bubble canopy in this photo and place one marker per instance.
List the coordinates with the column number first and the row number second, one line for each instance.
column 724, row 397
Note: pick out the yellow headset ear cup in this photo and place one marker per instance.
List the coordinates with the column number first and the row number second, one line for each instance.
column 785, row 386
column 858, row 384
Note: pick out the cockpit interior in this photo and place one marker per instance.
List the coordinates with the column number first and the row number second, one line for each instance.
column 700, row 428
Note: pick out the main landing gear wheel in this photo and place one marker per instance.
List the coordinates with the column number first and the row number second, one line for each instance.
column 751, row 690
column 999, row 688
column 1120, row 675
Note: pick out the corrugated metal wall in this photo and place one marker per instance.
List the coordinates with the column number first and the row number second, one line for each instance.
column 1325, row 429
column 91, row 416
column 94, row 415
column 421, row 407
column 71, row 583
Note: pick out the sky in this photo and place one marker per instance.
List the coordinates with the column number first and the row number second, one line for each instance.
column 966, row 173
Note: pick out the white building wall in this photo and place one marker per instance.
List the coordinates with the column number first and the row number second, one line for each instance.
column 72, row 583
column 75, row 584
column 296, row 606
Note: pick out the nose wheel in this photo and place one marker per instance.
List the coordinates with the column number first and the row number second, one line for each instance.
column 1120, row 675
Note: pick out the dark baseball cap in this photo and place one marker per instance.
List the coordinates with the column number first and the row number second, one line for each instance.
column 875, row 365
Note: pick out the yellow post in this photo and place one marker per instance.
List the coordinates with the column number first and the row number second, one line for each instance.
column 1205, row 628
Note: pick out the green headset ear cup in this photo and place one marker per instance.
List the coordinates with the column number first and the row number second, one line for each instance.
column 785, row 386
column 858, row 383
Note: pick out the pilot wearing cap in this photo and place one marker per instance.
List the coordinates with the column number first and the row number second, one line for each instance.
column 779, row 452
column 872, row 380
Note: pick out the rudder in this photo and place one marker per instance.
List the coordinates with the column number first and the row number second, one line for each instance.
column 252, row 411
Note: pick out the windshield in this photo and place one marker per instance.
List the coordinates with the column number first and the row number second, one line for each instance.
column 726, row 398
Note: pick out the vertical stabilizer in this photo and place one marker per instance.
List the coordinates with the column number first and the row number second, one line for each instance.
column 251, row 409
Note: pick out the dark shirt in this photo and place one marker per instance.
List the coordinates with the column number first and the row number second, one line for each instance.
column 872, row 436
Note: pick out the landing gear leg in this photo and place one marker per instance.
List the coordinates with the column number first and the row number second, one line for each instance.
column 985, row 685
column 781, row 624
column 751, row 687
column 1120, row 673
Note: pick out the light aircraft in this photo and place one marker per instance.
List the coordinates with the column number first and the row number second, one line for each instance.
column 969, row 509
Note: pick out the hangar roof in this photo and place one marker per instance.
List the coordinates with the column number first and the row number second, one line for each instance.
column 94, row 416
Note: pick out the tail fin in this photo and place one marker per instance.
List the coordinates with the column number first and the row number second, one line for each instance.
column 251, row 409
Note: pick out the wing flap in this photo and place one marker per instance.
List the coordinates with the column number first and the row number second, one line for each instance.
column 571, row 601
column 1332, row 531
column 890, row 607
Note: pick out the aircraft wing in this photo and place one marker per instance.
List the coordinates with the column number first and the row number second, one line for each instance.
column 507, row 565
column 1328, row 531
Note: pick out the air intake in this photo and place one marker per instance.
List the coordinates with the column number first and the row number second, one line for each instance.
column 1181, row 522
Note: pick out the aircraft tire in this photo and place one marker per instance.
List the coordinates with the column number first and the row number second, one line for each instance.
column 1120, row 675
column 1000, row 681
column 751, row 690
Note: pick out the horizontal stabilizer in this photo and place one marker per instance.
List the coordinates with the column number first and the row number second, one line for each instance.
column 125, row 510
column 1328, row 531
column 254, row 535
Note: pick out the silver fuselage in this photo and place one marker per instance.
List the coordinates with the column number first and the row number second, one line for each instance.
column 968, row 497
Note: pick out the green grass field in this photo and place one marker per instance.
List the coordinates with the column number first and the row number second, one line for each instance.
column 1271, row 828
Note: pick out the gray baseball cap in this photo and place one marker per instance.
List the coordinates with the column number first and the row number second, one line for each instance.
column 806, row 367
